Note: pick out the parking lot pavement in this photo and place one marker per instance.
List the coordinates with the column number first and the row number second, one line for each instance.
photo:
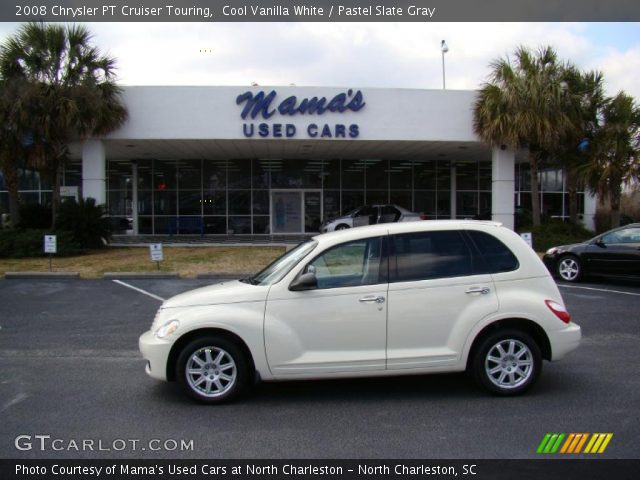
column 69, row 368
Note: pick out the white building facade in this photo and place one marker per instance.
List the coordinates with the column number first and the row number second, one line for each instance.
column 279, row 160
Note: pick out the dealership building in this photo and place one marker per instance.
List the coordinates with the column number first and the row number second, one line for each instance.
column 267, row 161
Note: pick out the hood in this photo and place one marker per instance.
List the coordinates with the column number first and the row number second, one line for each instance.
column 233, row 291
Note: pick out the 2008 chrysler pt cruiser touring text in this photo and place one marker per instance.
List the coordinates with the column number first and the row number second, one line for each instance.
column 389, row 299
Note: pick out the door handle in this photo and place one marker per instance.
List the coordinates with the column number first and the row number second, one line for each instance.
column 372, row 298
column 482, row 290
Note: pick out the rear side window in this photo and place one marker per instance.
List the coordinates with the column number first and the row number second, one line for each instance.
column 430, row 255
column 495, row 256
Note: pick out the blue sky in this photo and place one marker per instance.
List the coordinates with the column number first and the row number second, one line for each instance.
column 385, row 55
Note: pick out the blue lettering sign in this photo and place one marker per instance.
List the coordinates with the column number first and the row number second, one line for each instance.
column 259, row 104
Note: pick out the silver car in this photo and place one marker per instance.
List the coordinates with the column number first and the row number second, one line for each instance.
column 370, row 215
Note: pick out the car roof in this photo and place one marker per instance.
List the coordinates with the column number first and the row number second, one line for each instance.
column 401, row 227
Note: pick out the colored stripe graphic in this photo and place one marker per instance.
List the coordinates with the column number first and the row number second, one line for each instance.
column 550, row 443
column 572, row 443
column 598, row 442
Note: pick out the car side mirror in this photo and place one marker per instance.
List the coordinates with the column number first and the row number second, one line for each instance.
column 306, row 281
column 600, row 243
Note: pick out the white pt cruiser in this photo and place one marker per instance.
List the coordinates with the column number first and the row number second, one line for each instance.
column 391, row 299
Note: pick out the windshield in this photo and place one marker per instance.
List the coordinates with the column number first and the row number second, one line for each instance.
column 282, row 265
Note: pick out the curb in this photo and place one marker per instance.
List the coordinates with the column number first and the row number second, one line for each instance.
column 225, row 276
column 41, row 275
column 140, row 275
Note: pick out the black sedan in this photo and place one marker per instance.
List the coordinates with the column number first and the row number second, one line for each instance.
column 614, row 253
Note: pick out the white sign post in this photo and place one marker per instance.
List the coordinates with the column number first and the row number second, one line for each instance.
column 50, row 247
column 527, row 237
column 155, row 250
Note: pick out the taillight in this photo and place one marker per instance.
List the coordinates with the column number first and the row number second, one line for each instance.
column 559, row 310
column 423, row 217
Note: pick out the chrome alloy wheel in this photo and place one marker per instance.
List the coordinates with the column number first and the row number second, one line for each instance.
column 509, row 363
column 211, row 371
column 568, row 269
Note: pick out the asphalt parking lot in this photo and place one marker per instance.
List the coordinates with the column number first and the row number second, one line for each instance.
column 70, row 368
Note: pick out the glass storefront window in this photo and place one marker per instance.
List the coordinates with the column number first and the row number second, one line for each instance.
column 331, row 174
column 215, row 225
column 239, row 202
column 240, row 225
column 260, row 202
column 189, row 174
column 190, row 202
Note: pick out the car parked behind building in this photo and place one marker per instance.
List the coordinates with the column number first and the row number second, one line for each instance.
column 393, row 299
column 370, row 215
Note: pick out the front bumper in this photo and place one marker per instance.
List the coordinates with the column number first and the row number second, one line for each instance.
column 565, row 341
column 156, row 352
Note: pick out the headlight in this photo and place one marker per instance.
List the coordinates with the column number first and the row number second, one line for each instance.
column 167, row 329
column 552, row 251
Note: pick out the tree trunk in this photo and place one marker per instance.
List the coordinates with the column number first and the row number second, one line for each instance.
column 572, row 189
column 614, row 198
column 11, row 181
column 56, row 173
column 535, row 193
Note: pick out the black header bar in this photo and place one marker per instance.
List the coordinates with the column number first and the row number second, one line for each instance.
column 319, row 10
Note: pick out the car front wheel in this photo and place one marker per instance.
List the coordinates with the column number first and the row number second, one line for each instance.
column 211, row 370
column 342, row 226
column 507, row 362
column 569, row 268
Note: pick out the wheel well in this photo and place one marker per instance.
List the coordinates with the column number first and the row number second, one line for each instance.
column 527, row 326
column 190, row 336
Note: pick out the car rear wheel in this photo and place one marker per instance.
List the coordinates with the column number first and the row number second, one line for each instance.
column 212, row 370
column 507, row 362
column 569, row 268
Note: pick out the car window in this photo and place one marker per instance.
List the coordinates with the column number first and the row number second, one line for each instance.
column 495, row 256
column 429, row 255
column 349, row 264
column 626, row 235
column 365, row 212
column 389, row 214
column 274, row 272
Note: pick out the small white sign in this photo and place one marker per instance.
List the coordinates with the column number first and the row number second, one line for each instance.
column 50, row 244
column 527, row 237
column 155, row 249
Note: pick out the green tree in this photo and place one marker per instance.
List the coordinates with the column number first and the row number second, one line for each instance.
column 615, row 158
column 72, row 92
column 584, row 100
column 522, row 105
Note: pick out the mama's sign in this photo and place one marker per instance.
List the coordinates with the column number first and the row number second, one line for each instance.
column 263, row 105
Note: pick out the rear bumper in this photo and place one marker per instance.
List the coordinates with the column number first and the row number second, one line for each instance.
column 565, row 341
column 156, row 353
column 550, row 262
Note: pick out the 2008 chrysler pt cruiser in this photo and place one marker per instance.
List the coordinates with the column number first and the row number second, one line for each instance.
column 390, row 299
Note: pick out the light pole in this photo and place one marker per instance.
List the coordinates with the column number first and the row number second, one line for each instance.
column 444, row 49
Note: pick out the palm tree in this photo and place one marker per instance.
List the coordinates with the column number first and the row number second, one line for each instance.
column 15, row 140
column 616, row 152
column 522, row 106
column 584, row 93
column 72, row 92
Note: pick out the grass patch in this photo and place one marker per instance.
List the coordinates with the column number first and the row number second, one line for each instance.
column 187, row 261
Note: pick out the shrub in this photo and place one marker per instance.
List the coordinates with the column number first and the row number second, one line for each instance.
column 34, row 216
column 30, row 243
column 86, row 221
column 555, row 232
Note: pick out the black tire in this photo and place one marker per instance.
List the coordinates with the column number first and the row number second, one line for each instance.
column 342, row 226
column 507, row 377
column 569, row 268
column 218, row 385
